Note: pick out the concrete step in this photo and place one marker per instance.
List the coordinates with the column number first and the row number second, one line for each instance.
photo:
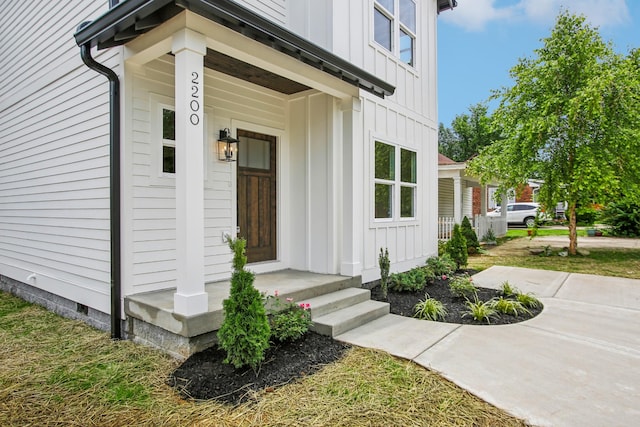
column 340, row 321
column 327, row 303
column 314, row 288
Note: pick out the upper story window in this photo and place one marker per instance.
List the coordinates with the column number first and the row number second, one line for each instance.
column 394, row 23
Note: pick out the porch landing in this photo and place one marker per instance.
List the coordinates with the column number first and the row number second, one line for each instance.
column 151, row 319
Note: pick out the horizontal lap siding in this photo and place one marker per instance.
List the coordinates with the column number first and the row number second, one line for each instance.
column 54, row 153
column 275, row 10
column 153, row 203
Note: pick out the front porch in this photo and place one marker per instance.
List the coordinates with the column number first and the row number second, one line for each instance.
column 152, row 319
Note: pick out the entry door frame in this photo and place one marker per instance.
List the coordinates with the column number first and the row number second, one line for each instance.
column 282, row 197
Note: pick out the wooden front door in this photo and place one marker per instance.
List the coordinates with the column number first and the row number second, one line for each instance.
column 257, row 194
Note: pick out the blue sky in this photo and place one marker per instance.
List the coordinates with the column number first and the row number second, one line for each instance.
column 480, row 40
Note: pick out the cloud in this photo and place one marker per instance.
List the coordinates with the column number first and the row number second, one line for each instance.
column 475, row 15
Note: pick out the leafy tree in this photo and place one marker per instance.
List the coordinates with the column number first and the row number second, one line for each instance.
column 469, row 133
column 571, row 119
column 244, row 333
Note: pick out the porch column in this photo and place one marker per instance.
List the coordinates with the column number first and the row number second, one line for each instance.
column 353, row 187
column 457, row 200
column 483, row 200
column 189, row 49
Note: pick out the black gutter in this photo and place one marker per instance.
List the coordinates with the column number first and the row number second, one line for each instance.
column 114, row 183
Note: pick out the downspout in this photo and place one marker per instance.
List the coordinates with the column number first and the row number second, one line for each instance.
column 114, row 183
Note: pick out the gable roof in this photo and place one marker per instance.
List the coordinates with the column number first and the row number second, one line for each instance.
column 444, row 160
column 132, row 18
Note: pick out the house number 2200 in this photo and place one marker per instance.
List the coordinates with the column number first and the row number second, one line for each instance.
column 194, row 105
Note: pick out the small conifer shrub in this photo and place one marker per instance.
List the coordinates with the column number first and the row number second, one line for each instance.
column 385, row 264
column 457, row 247
column 470, row 236
column 244, row 333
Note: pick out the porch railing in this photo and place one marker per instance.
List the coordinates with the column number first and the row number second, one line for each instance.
column 445, row 227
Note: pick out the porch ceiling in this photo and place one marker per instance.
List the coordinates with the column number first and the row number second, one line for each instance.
column 132, row 18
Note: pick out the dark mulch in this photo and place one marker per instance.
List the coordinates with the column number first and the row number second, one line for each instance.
column 402, row 303
column 205, row 376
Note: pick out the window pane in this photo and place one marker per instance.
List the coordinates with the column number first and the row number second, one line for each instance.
column 387, row 4
column 407, row 166
column 406, row 202
column 385, row 161
column 384, row 201
column 408, row 14
column 168, row 159
column 406, row 48
column 254, row 153
column 382, row 29
column 168, row 124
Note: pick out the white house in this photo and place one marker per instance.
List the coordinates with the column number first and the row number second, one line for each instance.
column 113, row 175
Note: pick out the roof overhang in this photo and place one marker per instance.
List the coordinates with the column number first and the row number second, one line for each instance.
column 132, row 18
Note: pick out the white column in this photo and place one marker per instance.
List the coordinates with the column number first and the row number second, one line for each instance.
column 457, row 199
column 353, row 188
column 189, row 49
column 483, row 200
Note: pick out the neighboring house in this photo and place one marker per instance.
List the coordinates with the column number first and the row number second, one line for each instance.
column 461, row 195
column 115, row 189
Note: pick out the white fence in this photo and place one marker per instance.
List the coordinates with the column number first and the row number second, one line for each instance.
column 445, row 228
column 484, row 223
column 481, row 224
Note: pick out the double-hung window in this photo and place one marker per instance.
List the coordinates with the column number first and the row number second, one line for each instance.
column 168, row 140
column 394, row 27
column 395, row 182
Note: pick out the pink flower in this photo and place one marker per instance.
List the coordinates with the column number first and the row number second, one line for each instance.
column 276, row 293
column 289, row 299
column 307, row 306
column 444, row 277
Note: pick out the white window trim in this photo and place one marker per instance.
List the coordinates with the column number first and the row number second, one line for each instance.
column 396, row 26
column 157, row 177
column 397, row 184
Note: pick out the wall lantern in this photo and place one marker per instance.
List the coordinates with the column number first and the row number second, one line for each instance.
column 227, row 146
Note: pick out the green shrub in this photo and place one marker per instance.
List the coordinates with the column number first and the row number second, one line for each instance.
column 623, row 217
column 508, row 290
column 462, row 287
column 508, row 306
column 480, row 311
column 430, row 309
column 442, row 265
column 290, row 322
column 410, row 281
column 470, row 236
column 489, row 236
column 385, row 264
column 244, row 334
column 586, row 215
column 457, row 247
column 528, row 301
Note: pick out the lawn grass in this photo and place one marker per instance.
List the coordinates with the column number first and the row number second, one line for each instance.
column 56, row 371
column 605, row 262
column 523, row 232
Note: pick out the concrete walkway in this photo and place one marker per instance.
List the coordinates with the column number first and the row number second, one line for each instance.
column 575, row 364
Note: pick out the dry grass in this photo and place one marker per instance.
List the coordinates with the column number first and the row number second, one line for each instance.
column 55, row 371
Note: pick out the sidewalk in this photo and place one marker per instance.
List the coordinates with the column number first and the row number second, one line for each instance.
column 575, row 364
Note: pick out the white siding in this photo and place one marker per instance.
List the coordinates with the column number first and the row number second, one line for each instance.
column 152, row 203
column 275, row 10
column 54, row 153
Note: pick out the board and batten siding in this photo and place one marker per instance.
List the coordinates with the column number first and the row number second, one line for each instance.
column 151, row 203
column 54, row 153
column 409, row 241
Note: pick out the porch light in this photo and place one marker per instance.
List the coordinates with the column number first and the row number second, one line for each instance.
column 227, row 146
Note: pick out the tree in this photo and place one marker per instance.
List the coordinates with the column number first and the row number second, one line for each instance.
column 571, row 119
column 457, row 247
column 469, row 133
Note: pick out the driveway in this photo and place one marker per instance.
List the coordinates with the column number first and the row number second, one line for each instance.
column 576, row 364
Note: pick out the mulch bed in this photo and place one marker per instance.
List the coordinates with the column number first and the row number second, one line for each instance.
column 204, row 376
column 402, row 303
